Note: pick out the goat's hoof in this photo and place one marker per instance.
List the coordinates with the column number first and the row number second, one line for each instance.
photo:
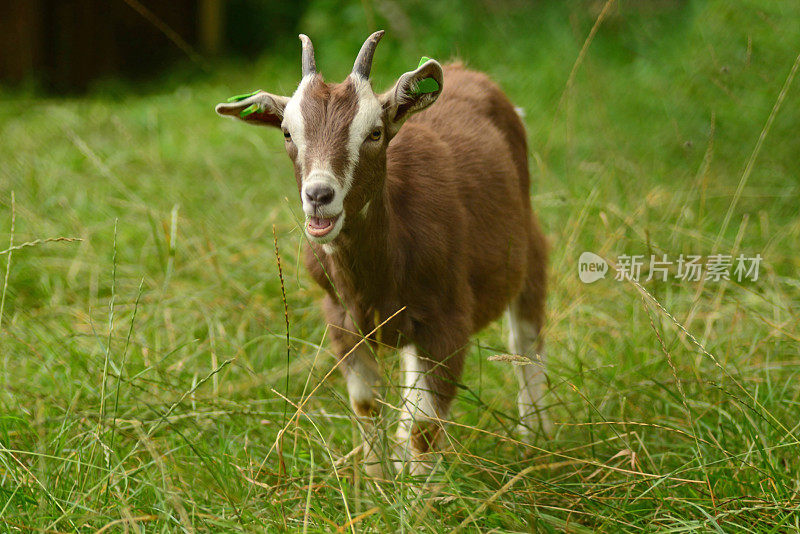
column 417, row 465
column 533, row 426
column 373, row 468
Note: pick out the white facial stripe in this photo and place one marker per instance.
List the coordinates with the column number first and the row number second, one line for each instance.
column 293, row 119
column 367, row 117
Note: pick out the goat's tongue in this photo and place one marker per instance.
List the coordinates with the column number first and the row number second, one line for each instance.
column 319, row 223
column 319, row 226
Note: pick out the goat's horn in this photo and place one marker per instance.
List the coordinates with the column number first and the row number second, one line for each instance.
column 363, row 62
column 309, row 64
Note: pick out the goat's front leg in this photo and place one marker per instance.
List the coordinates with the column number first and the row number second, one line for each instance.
column 363, row 378
column 427, row 389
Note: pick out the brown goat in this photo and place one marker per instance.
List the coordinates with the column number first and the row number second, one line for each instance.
column 433, row 218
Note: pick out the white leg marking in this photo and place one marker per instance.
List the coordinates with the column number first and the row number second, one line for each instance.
column 522, row 337
column 419, row 406
column 418, row 401
column 362, row 377
column 359, row 388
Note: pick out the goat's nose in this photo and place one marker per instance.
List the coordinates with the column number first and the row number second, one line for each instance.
column 319, row 194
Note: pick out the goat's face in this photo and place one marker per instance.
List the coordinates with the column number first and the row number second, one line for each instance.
column 337, row 134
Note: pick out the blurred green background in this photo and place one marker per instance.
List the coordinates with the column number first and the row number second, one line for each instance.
column 141, row 366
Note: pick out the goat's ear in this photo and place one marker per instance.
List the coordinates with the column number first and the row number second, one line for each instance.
column 413, row 92
column 259, row 108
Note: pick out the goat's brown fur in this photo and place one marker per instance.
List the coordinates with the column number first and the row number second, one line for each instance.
column 449, row 233
column 439, row 223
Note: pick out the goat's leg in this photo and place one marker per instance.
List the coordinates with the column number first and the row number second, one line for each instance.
column 526, row 315
column 428, row 388
column 524, row 339
column 363, row 378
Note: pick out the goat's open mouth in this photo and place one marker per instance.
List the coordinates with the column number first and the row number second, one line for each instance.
column 320, row 226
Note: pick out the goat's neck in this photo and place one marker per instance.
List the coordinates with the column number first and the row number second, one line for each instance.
column 361, row 252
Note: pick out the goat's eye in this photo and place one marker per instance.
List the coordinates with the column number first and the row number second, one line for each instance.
column 374, row 135
column 287, row 135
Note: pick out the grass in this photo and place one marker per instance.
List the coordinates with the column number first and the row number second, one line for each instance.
column 143, row 358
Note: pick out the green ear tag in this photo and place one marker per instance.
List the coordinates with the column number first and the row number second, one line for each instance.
column 249, row 110
column 237, row 98
column 428, row 85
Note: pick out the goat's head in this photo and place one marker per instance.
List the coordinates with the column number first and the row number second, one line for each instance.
column 337, row 134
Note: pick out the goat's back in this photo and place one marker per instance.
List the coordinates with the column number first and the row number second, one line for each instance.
column 473, row 102
column 460, row 169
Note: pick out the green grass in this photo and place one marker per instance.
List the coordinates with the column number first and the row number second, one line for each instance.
column 144, row 367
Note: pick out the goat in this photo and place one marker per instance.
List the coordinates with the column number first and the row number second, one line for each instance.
column 415, row 207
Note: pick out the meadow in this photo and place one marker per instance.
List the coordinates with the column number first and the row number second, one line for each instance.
column 164, row 364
